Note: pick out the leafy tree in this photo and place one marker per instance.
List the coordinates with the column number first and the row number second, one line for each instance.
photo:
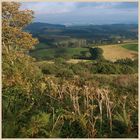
column 18, row 76
column 96, row 53
column 13, row 22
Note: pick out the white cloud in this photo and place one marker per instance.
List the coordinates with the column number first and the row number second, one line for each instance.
column 49, row 7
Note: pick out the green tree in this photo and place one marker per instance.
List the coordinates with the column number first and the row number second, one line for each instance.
column 96, row 53
column 13, row 22
column 20, row 75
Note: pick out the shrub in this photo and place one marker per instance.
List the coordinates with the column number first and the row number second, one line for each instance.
column 105, row 68
column 126, row 69
column 78, row 68
column 65, row 73
column 73, row 130
column 49, row 69
column 126, row 61
column 60, row 60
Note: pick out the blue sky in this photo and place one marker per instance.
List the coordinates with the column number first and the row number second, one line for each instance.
column 84, row 12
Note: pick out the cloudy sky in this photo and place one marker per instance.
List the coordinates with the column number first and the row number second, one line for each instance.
column 83, row 12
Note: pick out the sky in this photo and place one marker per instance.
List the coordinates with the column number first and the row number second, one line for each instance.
column 69, row 13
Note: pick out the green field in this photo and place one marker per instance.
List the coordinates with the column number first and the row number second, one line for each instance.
column 41, row 46
column 43, row 52
column 58, row 52
column 133, row 47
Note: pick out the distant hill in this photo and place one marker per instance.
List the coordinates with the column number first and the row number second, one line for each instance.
column 87, row 31
column 38, row 26
column 56, row 35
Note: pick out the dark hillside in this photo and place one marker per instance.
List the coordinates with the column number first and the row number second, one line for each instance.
column 91, row 33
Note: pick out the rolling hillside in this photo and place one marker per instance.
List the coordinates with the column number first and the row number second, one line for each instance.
column 110, row 52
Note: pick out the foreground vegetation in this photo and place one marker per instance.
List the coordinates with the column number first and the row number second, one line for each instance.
column 95, row 99
column 63, row 68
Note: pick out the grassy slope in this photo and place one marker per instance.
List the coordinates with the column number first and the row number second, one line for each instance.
column 52, row 52
column 133, row 47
